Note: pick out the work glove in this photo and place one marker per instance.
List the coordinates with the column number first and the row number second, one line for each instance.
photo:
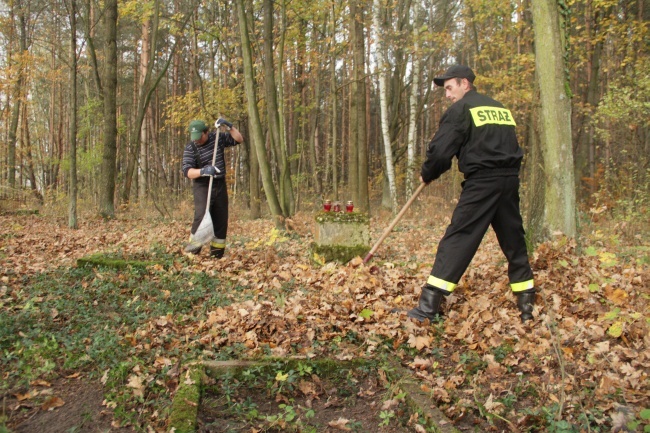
column 210, row 170
column 223, row 122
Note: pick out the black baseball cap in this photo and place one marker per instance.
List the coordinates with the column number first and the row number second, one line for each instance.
column 456, row 71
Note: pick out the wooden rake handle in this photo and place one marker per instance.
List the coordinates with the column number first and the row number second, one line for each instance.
column 394, row 222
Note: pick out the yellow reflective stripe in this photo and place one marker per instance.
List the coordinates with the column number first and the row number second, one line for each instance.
column 216, row 245
column 492, row 115
column 441, row 284
column 524, row 285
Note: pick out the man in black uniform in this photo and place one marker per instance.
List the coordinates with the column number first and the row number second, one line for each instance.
column 197, row 165
column 480, row 132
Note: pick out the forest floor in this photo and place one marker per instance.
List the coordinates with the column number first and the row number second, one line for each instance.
column 95, row 349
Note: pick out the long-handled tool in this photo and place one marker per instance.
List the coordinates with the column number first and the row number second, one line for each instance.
column 205, row 232
column 394, row 222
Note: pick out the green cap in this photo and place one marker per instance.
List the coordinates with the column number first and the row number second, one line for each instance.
column 197, row 127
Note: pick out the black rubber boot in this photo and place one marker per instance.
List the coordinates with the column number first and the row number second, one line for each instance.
column 217, row 253
column 525, row 302
column 428, row 305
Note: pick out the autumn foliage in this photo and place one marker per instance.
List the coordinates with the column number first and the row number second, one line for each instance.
column 582, row 363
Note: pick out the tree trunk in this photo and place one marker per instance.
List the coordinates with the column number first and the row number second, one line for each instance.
column 109, row 157
column 555, row 122
column 313, row 136
column 333, row 91
column 72, row 133
column 383, row 104
column 17, row 96
column 257, row 135
column 585, row 165
column 26, row 144
column 279, row 146
column 362, row 131
column 413, row 104
column 284, row 145
column 90, row 43
column 534, row 172
column 358, row 146
column 145, row 60
column 149, row 85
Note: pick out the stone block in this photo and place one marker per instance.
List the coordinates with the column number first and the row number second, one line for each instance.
column 341, row 236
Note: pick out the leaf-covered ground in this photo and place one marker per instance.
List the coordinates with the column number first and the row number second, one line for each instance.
column 581, row 365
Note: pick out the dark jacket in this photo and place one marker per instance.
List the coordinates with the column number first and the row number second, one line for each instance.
column 204, row 157
column 480, row 132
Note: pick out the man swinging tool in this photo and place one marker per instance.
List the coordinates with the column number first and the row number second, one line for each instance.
column 198, row 165
column 480, row 132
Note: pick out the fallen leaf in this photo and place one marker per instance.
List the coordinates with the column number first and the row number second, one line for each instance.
column 52, row 403
column 617, row 296
column 307, row 388
column 29, row 395
column 419, row 342
column 492, row 405
column 135, row 382
column 616, row 330
column 340, row 424
column 388, row 404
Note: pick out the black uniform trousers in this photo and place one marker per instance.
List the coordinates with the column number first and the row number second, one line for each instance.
column 483, row 202
column 218, row 207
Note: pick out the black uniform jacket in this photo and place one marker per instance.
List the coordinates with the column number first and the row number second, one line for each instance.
column 480, row 132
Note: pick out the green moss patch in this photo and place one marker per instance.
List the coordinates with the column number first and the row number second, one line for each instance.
column 185, row 407
column 342, row 217
column 337, row 253
column 116, row 262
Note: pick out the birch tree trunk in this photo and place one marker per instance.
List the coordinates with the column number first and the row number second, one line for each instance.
column 413, row 103
column 383, row 104
column 144, row 131
column 555, row 120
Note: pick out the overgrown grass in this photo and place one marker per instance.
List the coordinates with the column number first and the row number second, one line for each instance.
column 278, row 396
column 84, row 320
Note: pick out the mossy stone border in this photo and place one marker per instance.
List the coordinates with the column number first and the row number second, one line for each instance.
column 419, row 401
column 185, row 406
column 114, row 262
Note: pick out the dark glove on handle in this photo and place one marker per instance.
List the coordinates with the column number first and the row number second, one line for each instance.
column 221, row 121
column 210, row 170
